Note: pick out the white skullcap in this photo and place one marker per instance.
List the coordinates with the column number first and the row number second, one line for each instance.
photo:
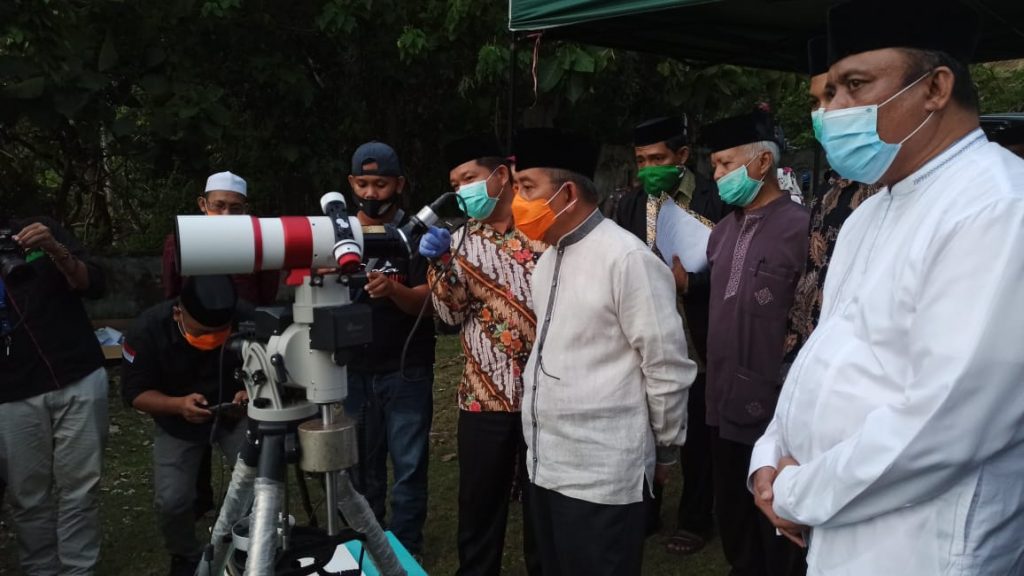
column 226, row 181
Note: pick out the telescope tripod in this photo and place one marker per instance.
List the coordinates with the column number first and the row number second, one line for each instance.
column 267, row 543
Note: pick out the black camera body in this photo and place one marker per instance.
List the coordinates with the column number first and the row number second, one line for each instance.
column 13, row 267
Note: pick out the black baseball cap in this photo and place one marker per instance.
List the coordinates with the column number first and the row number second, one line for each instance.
column 376, row 152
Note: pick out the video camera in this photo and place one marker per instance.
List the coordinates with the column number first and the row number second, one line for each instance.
column 13, row 267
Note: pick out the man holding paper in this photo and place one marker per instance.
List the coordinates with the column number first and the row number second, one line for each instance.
column 756, row 255
column 673, row 210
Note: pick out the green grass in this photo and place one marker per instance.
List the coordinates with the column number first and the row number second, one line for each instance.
column 132, row 545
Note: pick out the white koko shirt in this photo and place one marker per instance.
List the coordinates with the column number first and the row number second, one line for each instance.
column 608, row 377
column 905, row 408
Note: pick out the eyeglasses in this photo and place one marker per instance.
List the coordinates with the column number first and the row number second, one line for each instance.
column 226, row 207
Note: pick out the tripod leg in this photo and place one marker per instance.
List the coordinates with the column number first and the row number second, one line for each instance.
column 267, row 506
column 361, row 519
column 236, row 504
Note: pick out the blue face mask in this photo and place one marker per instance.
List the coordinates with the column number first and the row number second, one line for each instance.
column 474, row 199
column 852, row 144
column 738, row 188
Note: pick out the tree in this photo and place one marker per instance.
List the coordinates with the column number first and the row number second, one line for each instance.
column 113, row 113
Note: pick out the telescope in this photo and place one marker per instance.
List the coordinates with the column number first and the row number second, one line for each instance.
column 246, row 244
column 294, row 370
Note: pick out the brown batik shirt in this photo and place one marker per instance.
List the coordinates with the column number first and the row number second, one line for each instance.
column 487, row 293
column 828, row 213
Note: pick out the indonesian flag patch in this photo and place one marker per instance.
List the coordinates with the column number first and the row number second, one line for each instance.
column 128, row 353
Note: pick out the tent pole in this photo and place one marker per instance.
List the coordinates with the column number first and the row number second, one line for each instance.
column 511, row 94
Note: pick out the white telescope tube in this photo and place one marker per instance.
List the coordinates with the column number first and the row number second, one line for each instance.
column 245, row 244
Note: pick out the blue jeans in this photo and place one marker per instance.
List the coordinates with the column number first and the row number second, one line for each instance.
column 393, row 417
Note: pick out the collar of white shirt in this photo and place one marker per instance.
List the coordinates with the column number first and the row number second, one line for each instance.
column 930, row 168
column 580, row 232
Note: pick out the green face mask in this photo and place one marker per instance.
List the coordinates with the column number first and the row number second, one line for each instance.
column 658, row 179
column 737, row 188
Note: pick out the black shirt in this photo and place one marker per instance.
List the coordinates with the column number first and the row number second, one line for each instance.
column 157, row 357
column 391, row 326
column 51, row 343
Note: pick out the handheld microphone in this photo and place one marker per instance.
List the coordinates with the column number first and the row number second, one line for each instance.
column 423, row 220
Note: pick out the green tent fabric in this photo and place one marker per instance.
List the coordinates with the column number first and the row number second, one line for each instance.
column 540, row 14
column 759, row 33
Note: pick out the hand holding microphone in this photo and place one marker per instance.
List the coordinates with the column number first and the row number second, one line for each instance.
column 435, row 243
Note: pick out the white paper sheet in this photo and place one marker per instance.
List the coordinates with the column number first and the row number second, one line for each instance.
column 680, row 234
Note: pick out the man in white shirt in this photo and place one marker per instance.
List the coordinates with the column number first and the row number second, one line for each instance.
column 607, row 379
column 897, row 443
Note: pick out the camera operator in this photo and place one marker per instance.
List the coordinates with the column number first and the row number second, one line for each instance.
column 393, row 408
column 53, row 397
column 175, row 371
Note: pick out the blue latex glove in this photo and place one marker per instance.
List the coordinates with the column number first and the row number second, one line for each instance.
column 435, row 242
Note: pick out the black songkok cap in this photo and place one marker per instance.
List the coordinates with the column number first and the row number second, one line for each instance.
column 458, row 152
column 553, row 148
column 940, row 25
column 209, row 300
column 756, row 126
column 817, row 55
column 660, row 130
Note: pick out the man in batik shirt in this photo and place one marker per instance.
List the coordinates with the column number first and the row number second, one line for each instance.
column 828, row 213
column 480, row 280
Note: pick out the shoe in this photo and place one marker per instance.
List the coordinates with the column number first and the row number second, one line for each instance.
column 183, row 566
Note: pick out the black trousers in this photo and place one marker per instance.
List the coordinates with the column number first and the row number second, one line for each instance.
column 575, row 537
column 748, row 539
column 697, row 500
column 492, row 457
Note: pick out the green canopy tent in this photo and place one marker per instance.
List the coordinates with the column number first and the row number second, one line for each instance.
column 770, row 34
column 759, row 33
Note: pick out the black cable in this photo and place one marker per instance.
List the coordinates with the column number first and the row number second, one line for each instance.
column 28, row 330
column 430, row 288
column 216, row 416
column 220, row 388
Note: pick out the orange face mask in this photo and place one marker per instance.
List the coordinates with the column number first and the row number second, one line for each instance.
column 206, row 342
column 534, row 217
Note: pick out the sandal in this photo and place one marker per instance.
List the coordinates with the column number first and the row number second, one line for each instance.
column 684, row 543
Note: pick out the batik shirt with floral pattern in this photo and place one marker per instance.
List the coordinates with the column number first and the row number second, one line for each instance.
column 828, row 213
column 487, row 292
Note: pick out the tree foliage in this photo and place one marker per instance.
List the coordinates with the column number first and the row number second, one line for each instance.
column 112, row 113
